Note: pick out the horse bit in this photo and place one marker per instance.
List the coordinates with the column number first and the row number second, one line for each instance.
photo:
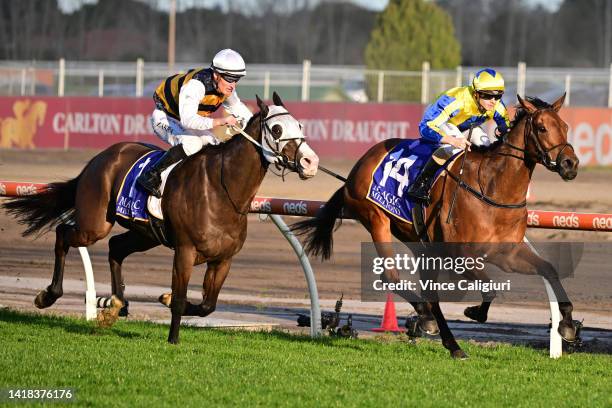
column 282, row 161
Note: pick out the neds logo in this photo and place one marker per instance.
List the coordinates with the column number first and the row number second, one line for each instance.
column 23, row 190
column 261, row 206
column 533, row 219
column 603, row 223
column 299, row 208
column 567, row 221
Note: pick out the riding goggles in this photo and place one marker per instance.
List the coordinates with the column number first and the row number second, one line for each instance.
column 488, row 96
column 230, row 78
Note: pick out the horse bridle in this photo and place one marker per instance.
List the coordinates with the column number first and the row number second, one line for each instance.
column 282, row 160
column 543, row 155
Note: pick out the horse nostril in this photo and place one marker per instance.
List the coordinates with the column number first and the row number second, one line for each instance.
column 567, row 164
column 306, row 162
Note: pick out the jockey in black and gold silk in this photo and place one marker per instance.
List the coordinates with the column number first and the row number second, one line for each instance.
column 183, row 105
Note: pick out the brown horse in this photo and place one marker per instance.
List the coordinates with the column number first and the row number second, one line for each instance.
column 205, row 206
column 490, row 207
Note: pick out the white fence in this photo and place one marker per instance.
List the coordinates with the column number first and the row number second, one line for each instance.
column 584, row 87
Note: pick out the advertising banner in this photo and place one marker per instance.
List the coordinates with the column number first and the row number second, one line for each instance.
column 333, row 129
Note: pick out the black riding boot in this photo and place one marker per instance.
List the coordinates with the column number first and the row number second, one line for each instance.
column 419, row 190
column 150, row 180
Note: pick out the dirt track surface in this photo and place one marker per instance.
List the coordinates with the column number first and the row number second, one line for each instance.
column 266, row 268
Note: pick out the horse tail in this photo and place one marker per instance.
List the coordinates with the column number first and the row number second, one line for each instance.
column 319, row 229
column 51, row 206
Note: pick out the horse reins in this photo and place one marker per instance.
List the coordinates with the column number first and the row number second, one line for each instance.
column 282, row 161
column 452, row 204
column 543, row 156
column 282, row 158
column 483, row 197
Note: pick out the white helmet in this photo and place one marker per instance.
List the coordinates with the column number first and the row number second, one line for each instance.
column 229, row 63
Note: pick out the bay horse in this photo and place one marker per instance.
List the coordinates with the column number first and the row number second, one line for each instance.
column 205, row 206
column 490, row 207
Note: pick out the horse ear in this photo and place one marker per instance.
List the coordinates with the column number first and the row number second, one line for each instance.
column 559, row 103
column 528, row 106
column 263, row 108
column 277, row 99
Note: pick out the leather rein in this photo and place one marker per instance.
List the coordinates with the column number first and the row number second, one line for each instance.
column 282, row 161
column 543, row 156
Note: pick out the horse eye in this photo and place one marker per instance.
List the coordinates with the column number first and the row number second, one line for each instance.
column 277, row 130
column 541, row 129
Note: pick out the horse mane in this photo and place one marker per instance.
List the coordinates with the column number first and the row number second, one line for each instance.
column 256, row 114
column 522, row 112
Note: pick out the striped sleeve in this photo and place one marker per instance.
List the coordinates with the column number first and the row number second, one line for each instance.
column 435, row 115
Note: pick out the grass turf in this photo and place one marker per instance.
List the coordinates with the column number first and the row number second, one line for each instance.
column 132, row 365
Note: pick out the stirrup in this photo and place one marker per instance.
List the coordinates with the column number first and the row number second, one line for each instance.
column 424, row 200
column 419, row 195
column 148, row 186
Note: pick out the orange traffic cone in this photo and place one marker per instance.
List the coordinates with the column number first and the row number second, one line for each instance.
column 389, row 322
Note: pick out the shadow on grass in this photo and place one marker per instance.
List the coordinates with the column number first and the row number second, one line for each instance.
column 325, row 340
column 88, row 328
column 82, row 327
column 69, row 325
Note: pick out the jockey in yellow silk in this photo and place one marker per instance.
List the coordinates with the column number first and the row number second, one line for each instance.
column 446, row 123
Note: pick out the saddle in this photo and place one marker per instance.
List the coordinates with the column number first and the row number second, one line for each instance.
column 393, row 176
column 131, row 197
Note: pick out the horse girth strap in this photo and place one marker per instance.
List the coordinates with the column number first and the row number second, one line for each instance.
column 482, row 197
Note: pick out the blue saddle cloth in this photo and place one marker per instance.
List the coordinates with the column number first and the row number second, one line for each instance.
column 396, row 171
column 132, row 199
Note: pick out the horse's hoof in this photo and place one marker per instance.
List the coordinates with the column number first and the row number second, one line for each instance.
column 44, row 299
column 459, row 355
column 412, row 327
column 473, row 312
column 567, row 332
column 429, row 326
column 124, row 312
column 165, row 299
column 107, row 317
column 173, row 341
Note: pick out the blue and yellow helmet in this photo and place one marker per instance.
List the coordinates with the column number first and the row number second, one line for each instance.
column 489, row 81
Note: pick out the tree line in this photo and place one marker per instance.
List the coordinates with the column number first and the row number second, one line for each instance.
column 490, row 32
